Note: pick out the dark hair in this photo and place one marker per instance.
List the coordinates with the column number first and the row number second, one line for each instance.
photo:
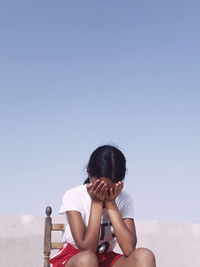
column 107, row 161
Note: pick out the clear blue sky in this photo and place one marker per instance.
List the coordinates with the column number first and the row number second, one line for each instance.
column 79, row 74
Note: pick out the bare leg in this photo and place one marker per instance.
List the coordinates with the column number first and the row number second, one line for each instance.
column 140, row 257
column 83, row 259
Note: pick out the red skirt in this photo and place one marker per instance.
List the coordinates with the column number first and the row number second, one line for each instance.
column 106, row 259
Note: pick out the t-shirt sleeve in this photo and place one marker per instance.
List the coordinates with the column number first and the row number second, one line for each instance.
column 70, row 201
column 126, row 206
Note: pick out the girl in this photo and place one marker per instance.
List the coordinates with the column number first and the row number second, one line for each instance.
column 100, row 215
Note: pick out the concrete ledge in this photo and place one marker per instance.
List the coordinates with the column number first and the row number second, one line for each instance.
column 174, row 244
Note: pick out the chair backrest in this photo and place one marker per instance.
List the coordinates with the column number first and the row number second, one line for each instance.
column 48, row 244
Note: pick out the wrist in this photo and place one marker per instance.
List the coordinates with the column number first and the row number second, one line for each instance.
column 110, row 203
column 97, row 202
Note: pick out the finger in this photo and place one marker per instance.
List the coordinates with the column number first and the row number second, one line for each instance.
column 95, row 184
column 104, row 189
column 111, row 192
column 116, row 189
column 89, row 186
column 120, row 186
column 99, row 187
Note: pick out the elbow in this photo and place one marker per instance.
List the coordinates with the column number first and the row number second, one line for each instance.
column 127, row 251
column 135, row 242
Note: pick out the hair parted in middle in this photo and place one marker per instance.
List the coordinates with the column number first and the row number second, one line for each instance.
column 107, row 161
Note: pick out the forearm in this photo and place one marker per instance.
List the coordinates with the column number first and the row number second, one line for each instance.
column 91, row 236
column 125, row 238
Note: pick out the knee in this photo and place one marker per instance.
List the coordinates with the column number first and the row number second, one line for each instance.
column 87, row 258
column 143, row 255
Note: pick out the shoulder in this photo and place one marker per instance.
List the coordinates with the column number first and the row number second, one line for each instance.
column 124, row 196
column 75, row 191
column 73, row 199
column 124, row 199
column 125, row 204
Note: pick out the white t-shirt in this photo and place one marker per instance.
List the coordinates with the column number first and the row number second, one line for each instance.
column 78, row 199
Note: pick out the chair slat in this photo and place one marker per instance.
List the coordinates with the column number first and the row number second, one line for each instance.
column 56, row 245
column 58, row 227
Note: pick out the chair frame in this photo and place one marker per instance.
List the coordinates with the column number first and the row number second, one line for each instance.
column 48, row 228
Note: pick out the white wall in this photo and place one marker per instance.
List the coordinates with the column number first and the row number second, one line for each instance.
column 174, row 244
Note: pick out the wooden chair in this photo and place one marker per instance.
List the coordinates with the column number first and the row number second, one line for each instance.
column 49, row 228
